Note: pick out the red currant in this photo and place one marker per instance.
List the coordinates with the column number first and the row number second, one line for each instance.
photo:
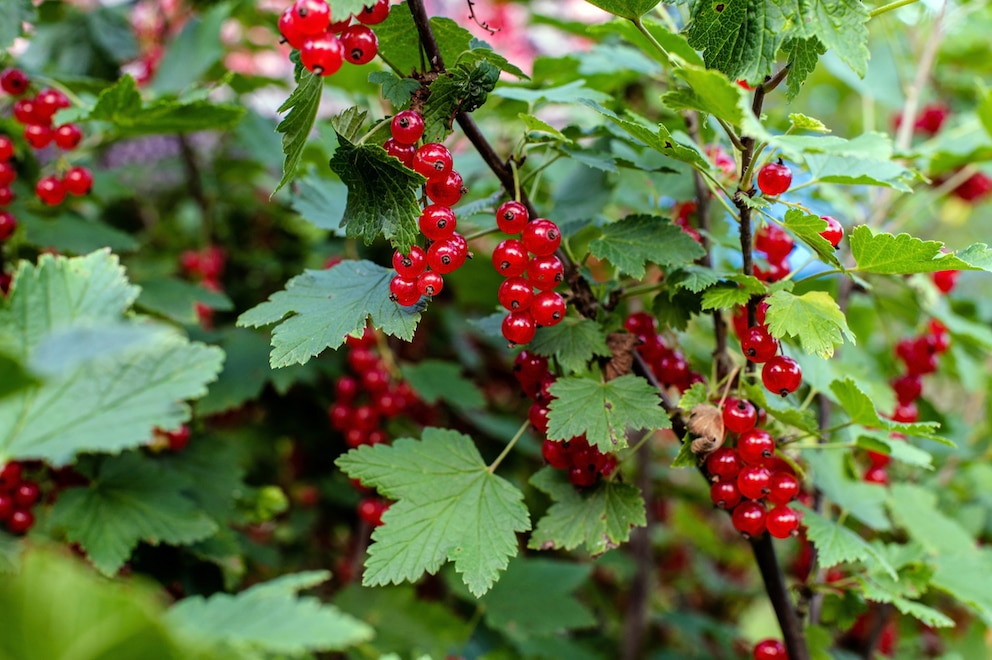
column 782, row 488
column 774, row 179
column 538, row 416
column 345, row 389
column 432, row 161
column 749, row 518
column 312, row 17
column 371, row 510
column 78, row 181
column 322, row 55
column 402, row 152
column 340, row 416
column 781, row 375
column 519, row 327
column 6, row 196
column 7, row 174
column 38, row 136
column 905, row 413
column 515, row 293
column 407, row 127
column 6, row 148
column 6, row 506
column 556, row 454
column 374, row 14
column 770, row 649
column 782, row 522
column 403, row 291
column 510, row 258
column 14, row 82
column 10, row 476
column 739, row 415
column 725, row 495
column 48, row 102
column 20, row 521
column 582, row 477
column 412, row 264
column 545, row 272
column 24, row 112
column 50, row 190
column 908, row 388
column 945, row 280
column 774, row 242
column 940, row 337
column 437, row 222
column 446, row 190
column 740, row 318
column 918, row 355
column 723, row 464
column 548, row 308
column 430, row 283
column 641, row 324
column 834, row 232
column 447, row 255
column 673, row 369
column 877, row 474
column 755, row 446
column 360, row 44
column 27, row 494
column 529, row 369
column 541, row 237
column 289, row 29
column 754, row 481
column 758, row 345
column 512, row 217
column 68, row 137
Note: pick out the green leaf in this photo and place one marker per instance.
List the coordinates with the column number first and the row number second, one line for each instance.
column 899, row 255
column 966, row 577
column 399, row 41
column 269, row 617
column 740, row 38
column 814, row 318
column 573, row 342
column 194, row 52
column 694, row 278
column 884, row 443
column 686, row 457
column 862, row 410
column 449, row 507
column 68, row 232
column 14, row 377
column 177, row 299
column 301, row 113
column 807, row 227
column 319, row 308
column 836, row 544
column 842, row 26
column 15, row 13
column 801, row 122
column 626, row 8
column 876, row 592
column 320, row 200
column 656, row 137
column 984, row 108
column 97, row 396
column 604, row 411
column 396, row 90
column 864, row 501
column 535, row 125
column 914, row 508
column 534, row 598
column 638, row 239
column 463, row 88
column 382, row 194
column 435, row 380
column 828, row 168
column 978, row 256
column 731, row 294
column 129, row 499
column 779, row 409
column 802, row 54
column 599, row 518
column 572, row 92
column 710, row 92
column 481, row 50
column 693, row 396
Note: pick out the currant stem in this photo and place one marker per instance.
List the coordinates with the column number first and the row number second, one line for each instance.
column 481, row 233
column 491, row 469
column 878, row 11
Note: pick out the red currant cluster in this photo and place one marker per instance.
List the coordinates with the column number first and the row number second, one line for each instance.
column 770, row 649
column 780, row 373
column 324, row 45
column 744, row 476
column 206, row 266
column 584, row 464
column 420, row 272
column 17, row 496
column 668, row 365
column 532, row 272
column 36, row 114
column 777, row 245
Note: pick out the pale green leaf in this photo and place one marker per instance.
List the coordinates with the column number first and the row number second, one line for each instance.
column 573, row 342
column 883, row 442
column 536, row 125
column 873, row 591
column 865, row 501
column 978, row 256
column 694, row 278
column 436, row 380
column 836, row 543
column 710, row 92
column 967, row 577
column 814, row 319
column 637, row 240
column 686, row 457
column 655, row 136
column 802, row 122
column 862, row 411
column 842, row 26
column 900, row 255
column 177, row 299
column 731, row 294
column 320, row 200
column 914, row 508
column 694, row 396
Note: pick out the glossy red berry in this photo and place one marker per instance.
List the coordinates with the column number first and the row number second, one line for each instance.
column 374, row 14
column 556, row 454
column 432, row 161
column 740, row 318
column 26, row 495
column 515, row 293
column 448, row 254
column 6, row 506
column 403, row 291
column 411, row 264
column 545, row 272
column 756, row 446
column 770, row 649
column 437, row 222
column 38, row 136
column 48, row 102
column 14, row 82
column 723, row 464
column 774, row 179
column 24, row 112
column 781, row 375
column 775, row 242
column 754, row 481
column 877, row 474
column 739, row 415
column 908, row 388
column 446, row 190
column 918, row 355
column 340, row 415
column 548, row 308
column 50, row 190
column 6, row 148
column 345, row 389
column 906, row 413
column 6, row 196
column 322, row 55
column 725, row 495
column 10, row 476
column 407, row 127
column 782, row 522
column 945, row 280
column 749, row 518
column 178, row 439
column 402, row 152
column 782, row 488
column 371, row 510
column 538, row 417
column 289, row 29
column 834, row 232
column 312, row 17
column 7, row 174
column 512, row 217
column 519, row 327
column 541, row 237
column 78, row 181
column 360, row 44
column 430, row 283
column 68, row 136
column 510, row 258
column 758, row 345
column 20, row 521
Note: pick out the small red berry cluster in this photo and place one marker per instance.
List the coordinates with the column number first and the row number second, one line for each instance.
column 17, row 496
column 324, row 44
column 206, row 266
column 532, row 272
column 684, row 213
column 770, row 649
column 583, row 464
column 777, row 245
column 779, row 373
column 668, row 364
column 750, row 473
column 420, row 272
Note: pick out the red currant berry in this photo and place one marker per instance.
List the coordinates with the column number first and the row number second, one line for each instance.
column 919, row 356
column 24, row 112
column 940, row 337
column 529, row 368
column 446, row 190
column 402, row 152
column 519, row 327
column 371, row 510
column 782, row 522
column 340, row 416
column 877, row 475
column 412, row 264
column 365, row 417
column 608, row 465
column 545, row 272
column 27, row 494
column 510, row 258
column 447, row 255
column 908, row 388
column 355, row 437
column 739, row 415
column 322, row 55
column 312, row 17
column 725, row 495
column 7, row 174
column 538, row 417
column 78, row 181
column 556, row 454
column 360, row 44
column 48, row 102
column 641, row 324
column 38, row 136
column 515, row 293
column 758, row 345
column 945, row 280
column 430, row 283
column 774, row 242
column 754, row 481
column 749, row 518
column 7, row 225
column 68, row 136
column 345, row 390
column 740, row 318
column 6, row 506
column 289, row 29
column 10, row 476
column 407, row 127
column 6, row 148
column 770, row 649
column 774, row 179
column 541, row 237
column 432, row 161
column 834, row 232
column 673, row 369
column 20, row 521
column 437, row 222
column 14, row 82
column 178, row 439
column 403, row 291
column 6, row 196
column 582, row 477
column 756, row 446
column 781, row 375
column 782, row 488
column 723, row 464
column 50, row 190
column 878, row 459
column 548, row 308
column 374, row 14
column 905, row 413
column 512, row 217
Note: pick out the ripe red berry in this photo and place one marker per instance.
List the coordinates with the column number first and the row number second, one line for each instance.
column 758, row 345
column 782, row 522
column 7, row 174
column 375, row 381
column 834, row 231
column 360, row 44
column 14, row 82
column 10, row 476
column 50, row 190
column 749, row 518
column 739, row 415
column 725, row 495
column 322, row 55
column 905, row 413
column 38, row 136
column 781, row 375
column 754, row 481
column 548, row 308
column 510, row 258
column 538, row 417
column 402, row 152
column 545, row 272
column 756, row 446
column 407, row 127
column 556, row 454
column 403, row 291
column 178, row 439
column 446, row 190
column 782, row 488
column 432, row 161
column 6, row 148
column 945, row 280
column 447, row 255
column 374, row 14
column 312, row 17
column 345, row 389
column 877, row 474
column 340, row 416
column 24, row 112
column 723, row 464
column 68, row 137
column 6, row 196
column 48, row 102
column 430, row 283
column 437, row 222
column 641, row 324
column 515, row 293
column 774, row 241
column 908, row 388
column 740, row 318
column 371, row 510
column 78, row 181
column 20, row 521
column 6, row 506
column 519, row 327
column 541, row 237
column 412, row 264
column 26, row 495
column 774, row 179
column 770, row 649
column 512, row 217
column 289, row 29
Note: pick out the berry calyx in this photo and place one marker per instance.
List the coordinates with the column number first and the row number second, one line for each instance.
column 407, row 127
column 374, row 14
column 78, row 181
column 782, row 522
column 774, row 178
column 512, row 217
column 311, row 17
column 834, row 231
column 515, row 293
column 548, row 308
column 758, row 345
column 360, row 44
column 322, row 55
column 519, row 327
column 432, row 161
column 545, row 272
column 749, row 518
column 510, row 258
column 412, row 264
column 739, row 415
column 50, row 190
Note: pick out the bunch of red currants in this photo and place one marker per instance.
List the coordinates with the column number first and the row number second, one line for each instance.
column 324, row 44
column 17, row 497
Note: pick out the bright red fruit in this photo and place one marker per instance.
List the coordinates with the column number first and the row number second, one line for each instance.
column 945, row 279
column 407, row 127
column 877, row 475
column 723, row 464
column 24, row 112
column 403, row 291
column 538, row 417
column 20, row 521
column 782, row 522
column 447, row 255
column 770, row 649
column 782, row 375
column 7, row 225
column 374, row 14
column 68, row 137
column 834, row 231
column 430, row 283
column 38, row 136
column 754, row 481
column 541, row 237
column 6, row 506
column 782, row 488
column 515, row 293
column 739, row 415
column 545, row 272
column 48, row 102
column 6, row 196
column 6, row 148
column 402, row 152
column 50, row 190
column 908, row 388
column 548, row 308
column 774, row 241
column 432, row 161
column 749, row 518
column 755, row 446
column 437, row 222
column 725, row 495
column 360, row 44
column 312, row 17
column 10, row 476
column 512, row 217
column 78, row 180
column 446, row 190
column 322, row 55
column 519, row 327
column 289, row 29
column 556, row 454
column 510, row 258
column 774, row 179
column 412, row 264
column 14, row 82
column 758, row 345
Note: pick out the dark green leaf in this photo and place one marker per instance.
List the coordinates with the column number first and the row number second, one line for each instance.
column 301, row 108
column 177, row 299
column 835, row 543
column 435, row 380
column 802, row 54
column 656, row 137
column 862, row 410
column 685, row 457
column 732, row 294
column 396, row 90
column 740, row 38
column 463, row 88
column 637, row 240
column 573, row 342
column 626, row 8
column 197, row 48
column 399, row 42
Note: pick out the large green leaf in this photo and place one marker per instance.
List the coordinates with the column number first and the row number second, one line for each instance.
column 807, row 227
column 450, row 508
column 435, row 380
column 301, row 112
column 862, row 411
column 836, row 543
column 814, row 318
column 573, row 342
column 901, row 254
column 656, row 137
column 639, row 239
